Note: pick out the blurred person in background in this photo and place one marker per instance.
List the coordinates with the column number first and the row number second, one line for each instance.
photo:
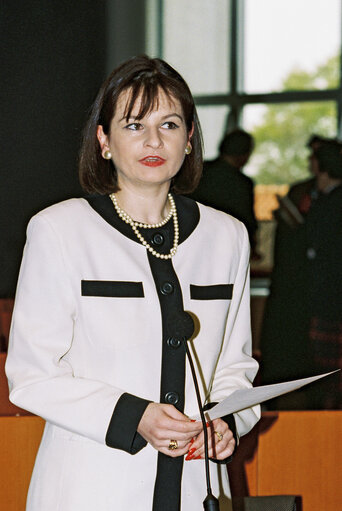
column 224, row 186
column 323, row 228
column 302, row 193
column 285, row 349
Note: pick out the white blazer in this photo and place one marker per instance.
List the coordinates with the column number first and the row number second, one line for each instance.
column 72, row 356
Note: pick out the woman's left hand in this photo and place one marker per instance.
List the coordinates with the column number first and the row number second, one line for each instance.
column 221, row 442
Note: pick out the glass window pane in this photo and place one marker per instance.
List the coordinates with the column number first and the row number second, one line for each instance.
column 213, row 121
column 196, row 42
column 281, row 133
column 291, row 45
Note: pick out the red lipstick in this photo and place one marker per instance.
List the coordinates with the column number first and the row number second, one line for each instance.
column 152, row 161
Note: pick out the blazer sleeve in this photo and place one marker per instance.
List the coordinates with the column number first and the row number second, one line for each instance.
column 41, row 380
column 236, row 368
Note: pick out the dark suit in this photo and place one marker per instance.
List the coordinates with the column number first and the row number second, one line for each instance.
column 301, row 194
column 226, row 188
column 284, row 338
column 324, row 255
column 324, row 294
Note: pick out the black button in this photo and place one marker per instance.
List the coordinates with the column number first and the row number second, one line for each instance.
column 173, row 342
column 157, row 239
column 172, row 398
column 181, row 324
column 166, row 288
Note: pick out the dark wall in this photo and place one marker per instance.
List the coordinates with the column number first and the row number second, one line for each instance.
column 125, row 30
column 54, row 56
column 53, row 59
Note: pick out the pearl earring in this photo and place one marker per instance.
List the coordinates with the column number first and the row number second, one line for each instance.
column 188, row 149
column 107, row 155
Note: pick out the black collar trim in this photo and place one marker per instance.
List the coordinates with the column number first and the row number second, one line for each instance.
column 187, row 210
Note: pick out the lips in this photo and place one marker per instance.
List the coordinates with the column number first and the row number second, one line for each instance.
column 152, row 161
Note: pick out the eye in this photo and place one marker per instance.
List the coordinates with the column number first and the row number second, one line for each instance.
column 134, row 126
column 170, row 125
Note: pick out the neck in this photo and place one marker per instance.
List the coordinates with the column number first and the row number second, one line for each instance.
column 148, row 207
column 237, row 161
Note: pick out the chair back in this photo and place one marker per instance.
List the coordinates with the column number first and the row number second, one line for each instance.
column 266, row 503
column 6, row 407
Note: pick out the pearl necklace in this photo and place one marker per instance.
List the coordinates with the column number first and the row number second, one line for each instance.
column 135, row 225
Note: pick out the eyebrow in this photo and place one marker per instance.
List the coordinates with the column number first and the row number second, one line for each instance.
column 174, row 114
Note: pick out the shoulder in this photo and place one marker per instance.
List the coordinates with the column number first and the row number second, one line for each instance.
column 222, row 236
column 337, row 192
column 66, row 206
column 247, row 180
column 222, row 224
column 301, row 187
column 334, row 199
column 61, row 214
column 306, row 183
column 215, row 216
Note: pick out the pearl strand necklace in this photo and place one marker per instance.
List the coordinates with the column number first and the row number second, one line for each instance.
column 135, row 225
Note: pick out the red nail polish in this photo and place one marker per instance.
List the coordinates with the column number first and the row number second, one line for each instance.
column 191, row 451
column 192, row 441
column 189, row 457
column 198, row 458
column 193, row 420
column 208, row 424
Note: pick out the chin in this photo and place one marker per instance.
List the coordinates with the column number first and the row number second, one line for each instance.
column 152, row 178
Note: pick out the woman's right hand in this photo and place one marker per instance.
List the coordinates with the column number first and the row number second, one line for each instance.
column 162, row 423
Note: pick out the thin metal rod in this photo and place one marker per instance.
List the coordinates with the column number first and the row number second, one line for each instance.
column 204, row 422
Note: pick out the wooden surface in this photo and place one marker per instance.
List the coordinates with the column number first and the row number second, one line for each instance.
column 20, row 437
column 302, row 454
column 293, row 453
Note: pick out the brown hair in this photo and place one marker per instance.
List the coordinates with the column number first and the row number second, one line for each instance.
column 145, row 77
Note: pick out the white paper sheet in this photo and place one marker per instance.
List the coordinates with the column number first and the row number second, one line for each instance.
column 245, row 398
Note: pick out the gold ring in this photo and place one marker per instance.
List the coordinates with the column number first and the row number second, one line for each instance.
column 219, row 435
column 173, row 445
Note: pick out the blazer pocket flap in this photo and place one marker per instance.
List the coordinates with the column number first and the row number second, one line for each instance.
column 214, row 292
column 112, row 288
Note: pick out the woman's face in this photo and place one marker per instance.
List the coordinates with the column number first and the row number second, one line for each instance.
column 148, row 151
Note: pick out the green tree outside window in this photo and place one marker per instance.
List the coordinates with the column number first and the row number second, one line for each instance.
column 280, row 156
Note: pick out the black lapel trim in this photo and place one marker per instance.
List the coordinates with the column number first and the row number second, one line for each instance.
column 188, row 216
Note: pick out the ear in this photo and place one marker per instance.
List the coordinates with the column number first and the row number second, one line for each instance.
column 191, row 132
column 102, row 138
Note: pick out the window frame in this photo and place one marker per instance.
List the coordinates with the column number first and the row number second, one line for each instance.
column 237, row 100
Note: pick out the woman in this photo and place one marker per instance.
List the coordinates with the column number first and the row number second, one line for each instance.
column 97, row 338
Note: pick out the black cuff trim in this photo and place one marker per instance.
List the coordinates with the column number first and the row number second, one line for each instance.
column 122, row 430
column 230, row 420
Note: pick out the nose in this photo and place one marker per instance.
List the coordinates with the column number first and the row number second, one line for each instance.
column 153, row 138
